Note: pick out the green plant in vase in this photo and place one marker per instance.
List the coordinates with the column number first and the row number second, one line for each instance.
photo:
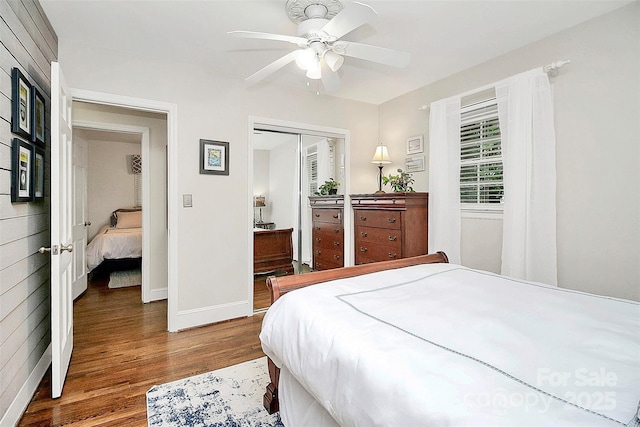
column 400, row 183
column 329, row 187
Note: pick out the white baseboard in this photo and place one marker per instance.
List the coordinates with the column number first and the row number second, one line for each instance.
column 20, row 403
column 212, row 314
column 158, row 294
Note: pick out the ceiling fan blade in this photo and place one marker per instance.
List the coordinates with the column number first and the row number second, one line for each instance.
column 273, row 67
column 378, row 54
column 330, row 79
column 300, row 41
column 350, row 18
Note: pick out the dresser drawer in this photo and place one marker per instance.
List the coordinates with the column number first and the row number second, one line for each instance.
column 333, row 216
column 382, row 236
column 379, row 218
column 327, row 255
column 368, row 252
column 322, row 264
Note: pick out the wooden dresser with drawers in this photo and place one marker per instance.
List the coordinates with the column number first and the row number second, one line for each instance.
column 389, row 226
column 327, row 215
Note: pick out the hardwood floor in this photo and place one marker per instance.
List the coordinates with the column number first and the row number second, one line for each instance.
column 122, row 349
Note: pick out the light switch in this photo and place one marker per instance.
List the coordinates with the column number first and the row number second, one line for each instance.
column 187, row 201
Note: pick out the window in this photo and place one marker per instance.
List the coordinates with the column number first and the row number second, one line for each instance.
column 481, row 185
column 312, row 169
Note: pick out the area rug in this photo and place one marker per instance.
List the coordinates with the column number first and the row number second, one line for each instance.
column 125, row 278
column 230, row 397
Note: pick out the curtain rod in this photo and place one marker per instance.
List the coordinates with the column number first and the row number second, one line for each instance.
column 550, row 69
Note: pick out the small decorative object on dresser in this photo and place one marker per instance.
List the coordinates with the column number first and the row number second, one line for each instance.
column 389, row 226
column 327, row 214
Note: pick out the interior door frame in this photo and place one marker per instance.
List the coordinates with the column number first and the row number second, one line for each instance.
column 303, row 129
column 171, row 110
column 146, row 186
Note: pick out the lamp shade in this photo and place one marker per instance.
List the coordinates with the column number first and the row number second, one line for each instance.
column 333, row 60
column 259, row 201
column 381, row 155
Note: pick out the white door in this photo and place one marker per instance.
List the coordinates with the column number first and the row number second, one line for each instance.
column 61, row 230
column 79, row 220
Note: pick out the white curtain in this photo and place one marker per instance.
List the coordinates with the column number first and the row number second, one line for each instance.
column 525, row 109
column 444, row 178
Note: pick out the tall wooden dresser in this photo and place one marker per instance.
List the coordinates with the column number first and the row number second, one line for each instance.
column 327, row 213
column 389, row 226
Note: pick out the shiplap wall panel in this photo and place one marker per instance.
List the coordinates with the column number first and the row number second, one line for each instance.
column 27, row 42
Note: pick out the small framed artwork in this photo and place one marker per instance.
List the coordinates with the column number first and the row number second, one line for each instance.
column 37, row 117
column 415, row 145
column 21, row 171
column 20, row 104
column 38, row 174
column 414, row 163
column 214, row 157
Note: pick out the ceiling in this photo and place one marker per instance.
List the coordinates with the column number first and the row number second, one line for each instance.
column 443, row 37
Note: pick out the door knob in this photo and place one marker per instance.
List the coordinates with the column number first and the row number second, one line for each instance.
column 43, row 250
column 87, row 223
column 69, row 248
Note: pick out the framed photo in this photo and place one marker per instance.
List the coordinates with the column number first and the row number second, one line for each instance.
column 21, row 171
column 415, row 145
column 37, row 117
column 20, row 104
column 38, row 174
column 214, row 157
column 414, row 164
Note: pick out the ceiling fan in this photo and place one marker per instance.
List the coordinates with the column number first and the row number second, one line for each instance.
column 321, row 51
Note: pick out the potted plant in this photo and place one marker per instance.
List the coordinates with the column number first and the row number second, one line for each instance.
column 330, row 187
column 400, row 183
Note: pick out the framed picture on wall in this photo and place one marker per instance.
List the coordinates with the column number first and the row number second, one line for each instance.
column 414, row 164
column 214, row 157
column 38, row 174
column 21, row 171
column 415, row 145
column 20, row 104
column 38, row 127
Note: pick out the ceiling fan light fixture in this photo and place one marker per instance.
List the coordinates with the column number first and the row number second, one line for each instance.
column 306, row 58
column 314, row 72
column 333, row 60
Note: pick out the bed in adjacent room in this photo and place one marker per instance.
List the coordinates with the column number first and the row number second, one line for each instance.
column 272, row 251
column 419, row 341
column 121, row 240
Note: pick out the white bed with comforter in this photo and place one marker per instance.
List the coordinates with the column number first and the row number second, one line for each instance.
column 114, row 243
column 440, row 344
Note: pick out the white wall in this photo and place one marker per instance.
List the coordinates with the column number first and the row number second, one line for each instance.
column 598, row 149
column 261, row 181
column 110, row 186
column 213, row 267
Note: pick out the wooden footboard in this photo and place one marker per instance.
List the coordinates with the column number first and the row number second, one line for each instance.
column 281, row 285
column 273, row 251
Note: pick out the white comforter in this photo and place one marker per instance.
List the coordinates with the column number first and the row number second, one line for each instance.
column 440, row 344
column 114, row 243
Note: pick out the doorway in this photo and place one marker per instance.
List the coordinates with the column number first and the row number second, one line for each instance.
column 289, row 163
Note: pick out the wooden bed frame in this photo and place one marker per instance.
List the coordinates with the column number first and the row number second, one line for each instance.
column 273, row 251
column 281, row 285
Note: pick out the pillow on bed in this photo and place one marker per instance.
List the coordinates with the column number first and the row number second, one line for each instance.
column 114, row 215
column 129, row 220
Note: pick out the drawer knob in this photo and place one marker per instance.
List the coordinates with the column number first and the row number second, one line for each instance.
column 318, row 252
column 336, row 243
column 336, row 257
column 393, row 238
column 337, row 230
column 362, row 249
column 391, row 220
column 336, row 216
column 363, row 218
column 317, row 215
column 363, row 233
column 392, row 255
column 318, row 239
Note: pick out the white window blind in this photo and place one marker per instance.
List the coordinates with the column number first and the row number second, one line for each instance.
column 312, row 169
column 481, row 184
